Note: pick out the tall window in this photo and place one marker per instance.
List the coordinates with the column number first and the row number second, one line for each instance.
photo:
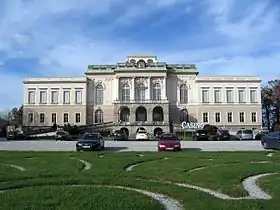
column 183, row 94
column 205, row 117
column 43, row 96
column 99, row 94
column 254, row 117
column 54, row 118
column 31, row 96
column 253, row 96
column 217, row 96
column 156, row 92
column 140, row 92
column 242, row 117
column 125, row 92
column 99, row 116
column 229, row 95
column 205, row 96
column 229, row 117
column 54, row 96
column 78, row 96
column 66, row 96
column 66, row 118
column 42, row 117
column 241, row 96
column 30, row 117
column 218, row 117
column 78, row 117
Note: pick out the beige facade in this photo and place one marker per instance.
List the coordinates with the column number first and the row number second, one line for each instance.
column 143, row 92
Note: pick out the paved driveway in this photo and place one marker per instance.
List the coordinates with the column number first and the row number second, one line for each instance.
column 133, row 145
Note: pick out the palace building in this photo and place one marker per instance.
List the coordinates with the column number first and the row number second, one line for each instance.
column 143, row 92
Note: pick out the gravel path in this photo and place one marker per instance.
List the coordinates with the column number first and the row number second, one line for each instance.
column 87, row 165
column 167, row 202
column 249, row 184
column 140, row 146
column 20, row 168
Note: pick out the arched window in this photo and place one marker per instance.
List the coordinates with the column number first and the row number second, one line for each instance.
column 99, row 116
column 183, row 94
column 156, row 92
column 99, row 94
column 125, row 92
column 140, row 92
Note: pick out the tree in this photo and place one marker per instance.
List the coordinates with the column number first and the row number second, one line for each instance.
column 14, row 116
column 271, row 104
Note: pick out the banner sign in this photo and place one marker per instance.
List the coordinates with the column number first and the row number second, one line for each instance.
column 190, row 126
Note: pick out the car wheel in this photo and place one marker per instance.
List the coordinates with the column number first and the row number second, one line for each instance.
column 264, row 145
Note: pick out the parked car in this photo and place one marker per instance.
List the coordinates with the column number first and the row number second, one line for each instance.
column 142, row 135
column 271, row 140
column 245, row 134
column 120, row 135
column 260, row 134
column 169, row 142
column 90, row 142
column 62, row 136
column 16, row 135
column 223, row 135
column 201, row 135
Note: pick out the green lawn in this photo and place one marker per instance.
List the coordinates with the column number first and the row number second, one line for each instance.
column 48, row 178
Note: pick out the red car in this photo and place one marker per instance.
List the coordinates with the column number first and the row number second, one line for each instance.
column 169, row 142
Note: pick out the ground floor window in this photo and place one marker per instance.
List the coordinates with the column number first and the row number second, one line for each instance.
column 65, row 117
column 30, row 117
column 78, row 117
column 42, row 117
column 53, row 117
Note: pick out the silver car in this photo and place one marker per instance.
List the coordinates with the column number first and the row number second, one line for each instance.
column 245, row 134
column 271, row 140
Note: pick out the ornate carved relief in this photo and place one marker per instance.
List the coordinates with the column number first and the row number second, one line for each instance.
column 125, row 80
column 141, row 80
column 100, row 82
column 183, row 82
column 157, row 80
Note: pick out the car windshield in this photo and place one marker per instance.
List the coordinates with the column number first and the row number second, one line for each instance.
column 201, row 131
column 91, row 136
column 142, row 132
column 60, row 133
column 224, row 131
column 248, row 132
column 169, row 137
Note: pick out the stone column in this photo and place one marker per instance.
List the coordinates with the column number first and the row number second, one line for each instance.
column 148, row 97
column 117, row 90
column 132, row 89
column 164, row 89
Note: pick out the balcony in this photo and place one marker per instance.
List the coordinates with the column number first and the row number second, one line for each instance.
column 146, row 101
column 143, row 123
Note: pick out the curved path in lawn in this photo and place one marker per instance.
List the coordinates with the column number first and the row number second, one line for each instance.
column 20, row 168
column 87, row 165
column 167, row 202
column 249, row 184
column 130, row 167
column 198, row 168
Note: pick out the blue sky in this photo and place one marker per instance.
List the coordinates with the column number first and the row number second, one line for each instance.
column 60, row 38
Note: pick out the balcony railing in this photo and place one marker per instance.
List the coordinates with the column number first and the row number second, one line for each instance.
column 143, row 123
column 144, row 101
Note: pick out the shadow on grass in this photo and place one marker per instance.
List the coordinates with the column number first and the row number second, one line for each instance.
column 190, row 149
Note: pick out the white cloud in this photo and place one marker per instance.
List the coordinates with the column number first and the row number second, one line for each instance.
column 33, row 30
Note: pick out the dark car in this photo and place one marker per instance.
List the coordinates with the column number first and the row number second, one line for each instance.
column 201, row 135
column 11, row 135
column 16, row 135
column 260, row 134
column 271, row 140
column 90, row 142
column 120, row 135
column 159, row 134
column 169, row 142
column 62, row 136
column 223, row 135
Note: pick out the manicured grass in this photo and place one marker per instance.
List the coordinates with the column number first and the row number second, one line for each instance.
column 48, row 176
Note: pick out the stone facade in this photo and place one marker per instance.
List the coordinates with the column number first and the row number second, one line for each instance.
column 143, row 92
